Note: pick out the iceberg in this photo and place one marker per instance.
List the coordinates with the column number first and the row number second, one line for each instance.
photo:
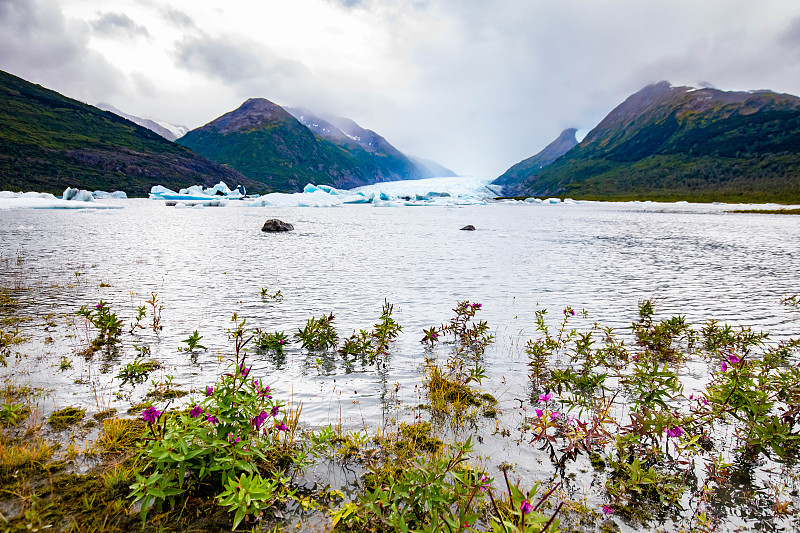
column 77, row 195
column 43, row 200
column 116, row 195
column 197, row 192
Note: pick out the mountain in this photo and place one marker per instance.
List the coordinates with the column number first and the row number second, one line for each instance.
column 683, row 143
column 435, row 169
column 565, row 142
column 381, row 160
column 287, row 148
column 169, row 131
column 49, row 142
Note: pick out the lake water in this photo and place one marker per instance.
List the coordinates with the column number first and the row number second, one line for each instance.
column 205, row 264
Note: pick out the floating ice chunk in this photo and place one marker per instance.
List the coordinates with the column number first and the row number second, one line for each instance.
column 43, row 200
column 309, row 188
column 77, row 195
column 553, row 200
column 534, row 200
column 181, row 205
column 116, row 195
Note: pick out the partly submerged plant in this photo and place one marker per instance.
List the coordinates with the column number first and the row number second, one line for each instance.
column 318, row 334
column 236, row 436
column 107, row 324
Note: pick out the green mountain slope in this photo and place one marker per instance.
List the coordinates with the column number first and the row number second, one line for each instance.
column 513, row 177
column 673, row 143
column 264, row 142
column 375, row 155
column 49, row 142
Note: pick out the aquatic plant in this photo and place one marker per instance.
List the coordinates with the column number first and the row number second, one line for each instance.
column 373, row 346
column 318, row 334
column 137, row 370
column 193, row 342
column 153, row 302
column 265, row 295
column 656, row 431
column 107, row 324
column 276, row 340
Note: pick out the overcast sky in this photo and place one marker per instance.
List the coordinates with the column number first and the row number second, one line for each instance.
column 476, row 85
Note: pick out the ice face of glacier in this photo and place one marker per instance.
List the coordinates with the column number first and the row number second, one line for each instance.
column 433, row 191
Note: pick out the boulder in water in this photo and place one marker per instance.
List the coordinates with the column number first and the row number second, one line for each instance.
column 274, row 225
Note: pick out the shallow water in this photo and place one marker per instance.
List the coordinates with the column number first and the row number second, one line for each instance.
column 205, row 264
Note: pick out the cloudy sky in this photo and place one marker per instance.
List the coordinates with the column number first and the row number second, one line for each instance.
column 476, row 85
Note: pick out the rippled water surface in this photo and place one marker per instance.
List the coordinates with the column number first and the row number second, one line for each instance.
column 205, row 264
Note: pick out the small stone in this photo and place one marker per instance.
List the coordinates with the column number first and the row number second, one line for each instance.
column 273, row 225
column 468, row 227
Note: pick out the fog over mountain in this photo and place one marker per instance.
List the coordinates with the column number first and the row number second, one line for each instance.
column 475, row 86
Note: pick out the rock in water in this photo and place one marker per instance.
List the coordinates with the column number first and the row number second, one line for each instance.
column 274, row 224
column 468, row 227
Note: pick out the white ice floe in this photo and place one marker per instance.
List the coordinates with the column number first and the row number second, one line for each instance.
column 197, row 192
column 43, row 200
column 116, row 195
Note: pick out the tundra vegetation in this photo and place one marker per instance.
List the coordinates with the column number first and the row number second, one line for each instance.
column 608, row 405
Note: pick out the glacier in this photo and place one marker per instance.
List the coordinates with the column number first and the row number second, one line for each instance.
column 446, row 191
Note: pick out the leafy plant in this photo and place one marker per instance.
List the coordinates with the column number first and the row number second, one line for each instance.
column 271, row 341
column 193, row 342
column 107, row 324
column 237, row 434
column 265, row 295
column 136, row 371
column 318, row 334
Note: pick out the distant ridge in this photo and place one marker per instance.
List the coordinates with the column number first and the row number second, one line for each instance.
column 511, row 179
column 49, row 142
column 169, row 131
column 682, row 143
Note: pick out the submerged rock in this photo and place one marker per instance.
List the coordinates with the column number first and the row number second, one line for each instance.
column 468, row 227
column 273, row 225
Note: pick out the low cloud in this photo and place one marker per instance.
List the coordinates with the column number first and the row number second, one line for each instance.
column 118, row 25
column 39, row 44
column 178, row 18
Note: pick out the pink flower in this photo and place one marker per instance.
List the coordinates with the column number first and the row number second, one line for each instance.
column 209, row 390
column 607, row 510
column 212, row 419
column 151, row 414
column 733, row 359
column 674, row 431
column 525, row 507
column 275, row 410
column 281, row 427
column 196, row 411
column 539, row 413
column 723, row 367
column 553, row 416
column 571, row 420
column 484, row 485
column 544, row 398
